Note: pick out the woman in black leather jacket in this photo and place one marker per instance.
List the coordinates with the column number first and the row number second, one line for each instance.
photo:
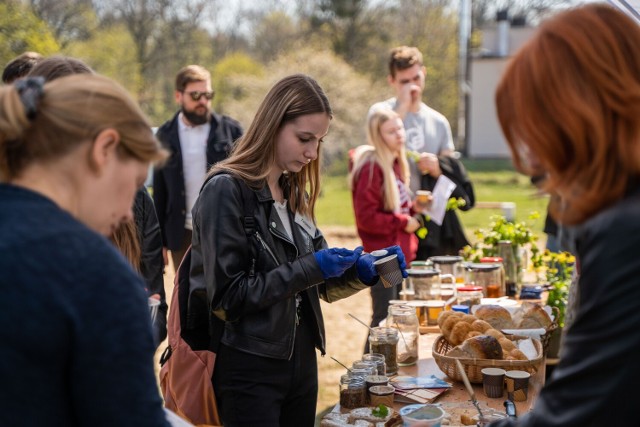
column 569, row 106
column 264, row 280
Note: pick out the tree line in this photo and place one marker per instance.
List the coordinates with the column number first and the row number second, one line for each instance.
column 247, row 46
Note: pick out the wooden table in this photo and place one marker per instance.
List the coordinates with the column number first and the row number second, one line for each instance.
column 427, row 366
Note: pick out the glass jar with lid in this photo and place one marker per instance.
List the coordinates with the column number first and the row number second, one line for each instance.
column 425, row 283
column 469, row 296
column 487, row 276
column 379, row 361
column 449, row 264
column 383, row 340
column 404, row 319
column 353, row 392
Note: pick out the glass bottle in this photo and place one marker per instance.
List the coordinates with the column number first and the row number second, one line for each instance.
column 383, row 340
column 505, row 249
column 404, row 319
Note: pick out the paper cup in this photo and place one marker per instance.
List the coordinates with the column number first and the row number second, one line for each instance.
column 517, row 385
column 389, row 271
column 154, row 304
column 493, row 382
column 423, row 196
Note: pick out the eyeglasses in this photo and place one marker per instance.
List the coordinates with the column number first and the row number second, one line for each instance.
column 196, row 95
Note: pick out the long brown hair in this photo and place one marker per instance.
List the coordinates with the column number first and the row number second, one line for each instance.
column 570, row 99
column 254, row 153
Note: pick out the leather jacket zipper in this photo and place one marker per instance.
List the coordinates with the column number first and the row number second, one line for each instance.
column 267, row 248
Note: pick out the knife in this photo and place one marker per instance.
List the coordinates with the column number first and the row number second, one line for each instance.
column 510, row 408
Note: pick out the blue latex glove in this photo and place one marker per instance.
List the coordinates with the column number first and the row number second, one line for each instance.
column 335, row 261
column 367, row 271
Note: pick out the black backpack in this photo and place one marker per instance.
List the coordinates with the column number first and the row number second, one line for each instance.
column 198, row 326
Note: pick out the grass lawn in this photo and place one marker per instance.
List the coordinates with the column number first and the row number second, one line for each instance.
column 494, row 181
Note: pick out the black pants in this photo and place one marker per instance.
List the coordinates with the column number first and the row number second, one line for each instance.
column 258, row 391
column 380, row 297
column 178, row 254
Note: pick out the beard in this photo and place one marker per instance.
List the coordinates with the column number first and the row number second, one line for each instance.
column 194, row 117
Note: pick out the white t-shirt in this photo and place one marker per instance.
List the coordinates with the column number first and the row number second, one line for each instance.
column 427, row 130
column 193, row 145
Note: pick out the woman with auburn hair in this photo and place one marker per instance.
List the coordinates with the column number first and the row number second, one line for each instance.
column 265, row 265
column 569, row 106
column 74, row 321
column 381, row 198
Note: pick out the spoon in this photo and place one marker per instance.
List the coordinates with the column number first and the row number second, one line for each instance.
column 340, row 363
column 360, row 321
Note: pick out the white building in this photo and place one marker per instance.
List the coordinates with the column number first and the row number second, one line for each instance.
column 484, row 137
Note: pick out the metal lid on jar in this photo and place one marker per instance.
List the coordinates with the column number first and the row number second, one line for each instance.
column 482, row 267
column 490, row 260
column 445, row 259
column 422, row 272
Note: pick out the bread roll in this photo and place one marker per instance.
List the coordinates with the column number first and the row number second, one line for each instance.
column 535, row 317
column 480, row 347
column 496, row 316
column 517, row 354
column 444, row 315
column 459, row 332
column 448, row 326
column 472, row 334
column 494, row 333
column 506, row 344
column 469, row 318
column 480, row 325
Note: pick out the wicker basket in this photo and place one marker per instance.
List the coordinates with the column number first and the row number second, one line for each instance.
column 546, row 338
column 473, row 367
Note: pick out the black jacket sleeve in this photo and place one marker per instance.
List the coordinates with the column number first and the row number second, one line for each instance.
column 151, row 260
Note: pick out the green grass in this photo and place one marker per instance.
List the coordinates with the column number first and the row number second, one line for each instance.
column 494, row 180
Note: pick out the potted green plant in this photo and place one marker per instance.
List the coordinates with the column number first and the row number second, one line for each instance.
column 556, row 269
column 522, row 238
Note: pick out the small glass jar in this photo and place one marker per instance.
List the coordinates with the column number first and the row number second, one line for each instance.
column 404, row 319
column 425, row 283
column 381, row 395
column 353, row 392
column 370, row 366
column 469, row 296
column 383, row 340
column 379, row 361
column 489, row 276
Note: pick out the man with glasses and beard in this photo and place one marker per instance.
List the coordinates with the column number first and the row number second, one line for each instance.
column 197, row 138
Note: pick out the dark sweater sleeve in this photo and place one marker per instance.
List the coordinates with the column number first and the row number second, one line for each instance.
column 112, row 379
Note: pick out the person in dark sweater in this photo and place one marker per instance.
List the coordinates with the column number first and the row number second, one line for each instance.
column 139, row 240
column 77, row 345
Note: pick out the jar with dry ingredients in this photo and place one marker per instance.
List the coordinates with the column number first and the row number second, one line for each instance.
column 379, row 361
column 404, row 319
column 425, row 283
column 353, row 392
column 383, row 340
column 469, row 296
